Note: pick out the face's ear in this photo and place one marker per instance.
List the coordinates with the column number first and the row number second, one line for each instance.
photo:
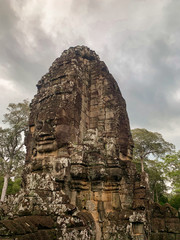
column 30, row 143
column 65, row 134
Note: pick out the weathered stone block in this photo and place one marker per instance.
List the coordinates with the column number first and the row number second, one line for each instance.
column 158, row 225
column 172, row 225
column 162, row 236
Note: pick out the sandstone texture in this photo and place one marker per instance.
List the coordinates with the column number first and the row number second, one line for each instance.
column 79, row 181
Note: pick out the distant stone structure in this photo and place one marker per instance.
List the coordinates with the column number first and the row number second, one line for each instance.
column 79, row 181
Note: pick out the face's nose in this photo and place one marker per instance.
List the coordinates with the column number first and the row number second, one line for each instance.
column 45, row 130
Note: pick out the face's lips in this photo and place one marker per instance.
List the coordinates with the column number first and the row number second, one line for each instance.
column 46, row 146
column 45, row 142
column 45, row 139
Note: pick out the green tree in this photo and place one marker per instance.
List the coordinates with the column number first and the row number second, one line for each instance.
column 171, row 169
column 149, row 148
column 174, row 200
column 147, row 144
column 13, row 185
column 12, row 142
column 156, row 180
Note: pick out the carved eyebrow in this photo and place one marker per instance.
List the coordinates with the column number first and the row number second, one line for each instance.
column 39, row 122
column 49, row 120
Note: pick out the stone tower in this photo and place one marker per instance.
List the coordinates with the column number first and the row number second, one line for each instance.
column 78, row 181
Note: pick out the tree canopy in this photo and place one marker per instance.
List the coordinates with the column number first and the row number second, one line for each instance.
column 12, row 142
column 148, row 143
column 171, row 166
column 157, row 157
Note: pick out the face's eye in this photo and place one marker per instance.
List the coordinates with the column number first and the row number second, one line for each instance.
column 39, row 126
column 50, row 122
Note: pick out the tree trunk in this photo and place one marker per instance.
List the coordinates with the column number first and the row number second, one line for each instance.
column 142, row 165
column 4, row 189
column 153, row 195
column 157, row 198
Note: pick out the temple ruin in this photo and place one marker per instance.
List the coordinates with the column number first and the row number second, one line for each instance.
column 79, row 181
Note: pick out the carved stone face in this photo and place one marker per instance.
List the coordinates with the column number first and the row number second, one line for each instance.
column 45, row 135
column 54, row 126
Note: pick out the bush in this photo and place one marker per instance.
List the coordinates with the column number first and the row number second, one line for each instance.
column 13, row 186
column 174, row 201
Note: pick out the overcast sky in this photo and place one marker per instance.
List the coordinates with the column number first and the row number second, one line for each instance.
column 139, row 40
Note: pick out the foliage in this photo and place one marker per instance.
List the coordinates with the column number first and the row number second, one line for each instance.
column 11, row 152
column 171, row 169
column 17, row 116
column 149, row 148
column 12, row 142
column 148, row 143
column 157, row 180
column 14, row 186
column 175, row 201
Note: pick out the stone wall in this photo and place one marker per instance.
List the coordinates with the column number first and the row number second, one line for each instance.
column 165, row 223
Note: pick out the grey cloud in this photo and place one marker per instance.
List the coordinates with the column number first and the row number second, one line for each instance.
column 7, row 17
column 148, row 93
column 25, row 64
column 12, row 52
column 141, row 52
column 171, row 22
